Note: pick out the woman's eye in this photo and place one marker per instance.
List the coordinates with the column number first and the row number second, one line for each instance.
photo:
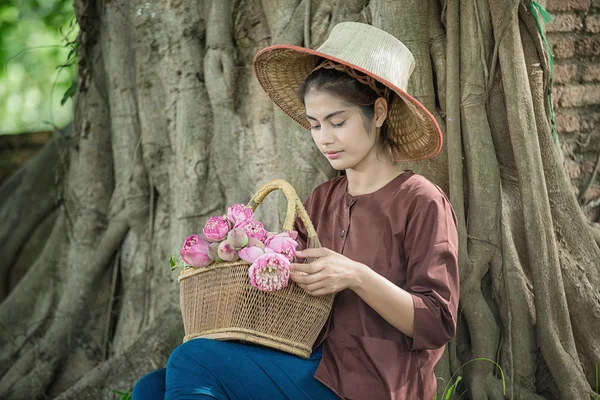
column 334, row 125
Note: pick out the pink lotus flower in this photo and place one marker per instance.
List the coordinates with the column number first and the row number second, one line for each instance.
column 226, row 252
column 216, row 229
column 239, row 212
column 270, row 272
column 284, row 244
column 253, row 228
column 195, row 251
column 250, row 254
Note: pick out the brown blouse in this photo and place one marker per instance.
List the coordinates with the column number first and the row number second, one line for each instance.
column 407, row 232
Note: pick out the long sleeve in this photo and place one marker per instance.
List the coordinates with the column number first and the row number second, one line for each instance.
column 431, row 249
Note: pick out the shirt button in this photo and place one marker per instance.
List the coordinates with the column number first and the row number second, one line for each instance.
column 343, row 233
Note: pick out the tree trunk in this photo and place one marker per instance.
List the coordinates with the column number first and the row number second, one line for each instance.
column 171, row 127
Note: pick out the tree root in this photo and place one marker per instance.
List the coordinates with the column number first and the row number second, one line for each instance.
column 26, row 199
column 23, row 316
column 149, row 352
column 554, row 330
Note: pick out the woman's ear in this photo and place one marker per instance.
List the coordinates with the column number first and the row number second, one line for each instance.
column 381, row 109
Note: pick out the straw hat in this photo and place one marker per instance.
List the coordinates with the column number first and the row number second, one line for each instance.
column 358, row 49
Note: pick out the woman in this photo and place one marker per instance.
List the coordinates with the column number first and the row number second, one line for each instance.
column 389, row 238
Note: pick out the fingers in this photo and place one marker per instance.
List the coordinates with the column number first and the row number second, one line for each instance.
column 313, row 253
column 310, row 268
column 321, row 292
column 312, row 287
column 306, row 279
column 315, row 284
column 315, row 288
column 311, row 282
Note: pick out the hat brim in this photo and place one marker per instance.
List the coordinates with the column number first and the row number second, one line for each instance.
column 280, row 69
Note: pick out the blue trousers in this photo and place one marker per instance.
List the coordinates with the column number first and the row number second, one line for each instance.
column 211, row 369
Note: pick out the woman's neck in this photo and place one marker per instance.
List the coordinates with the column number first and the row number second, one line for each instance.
column 372, row 178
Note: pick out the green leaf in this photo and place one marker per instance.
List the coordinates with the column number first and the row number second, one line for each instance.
column 9, row 13
column 172, row 262
column 70, row 93
column 448, row 390
column 452, row 388
column 124, row 395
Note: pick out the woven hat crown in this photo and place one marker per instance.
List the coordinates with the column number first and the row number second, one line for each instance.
column 372, row 49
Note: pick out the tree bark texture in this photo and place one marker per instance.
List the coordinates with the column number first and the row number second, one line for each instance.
column 171, row 127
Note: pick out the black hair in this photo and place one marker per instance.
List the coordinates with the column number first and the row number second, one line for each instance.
column 351, row 91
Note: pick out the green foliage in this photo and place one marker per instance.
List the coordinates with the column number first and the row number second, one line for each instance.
column 449, row 391
column 452, row 388
column 124, row 395
column 455, row 379
column 37, row 64
column 176, row 262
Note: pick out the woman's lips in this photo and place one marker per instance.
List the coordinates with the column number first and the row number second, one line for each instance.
column 333, row 155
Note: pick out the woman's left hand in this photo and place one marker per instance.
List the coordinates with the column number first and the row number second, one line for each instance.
column 331, row 272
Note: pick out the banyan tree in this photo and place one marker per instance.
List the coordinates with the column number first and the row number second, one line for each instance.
column 170, row 126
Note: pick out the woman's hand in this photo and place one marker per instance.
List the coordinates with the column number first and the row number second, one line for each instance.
column 331, row 272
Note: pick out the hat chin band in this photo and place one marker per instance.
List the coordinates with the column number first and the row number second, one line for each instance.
column 362, row 78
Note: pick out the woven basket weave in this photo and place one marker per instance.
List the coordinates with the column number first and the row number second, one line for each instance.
column 217, row 301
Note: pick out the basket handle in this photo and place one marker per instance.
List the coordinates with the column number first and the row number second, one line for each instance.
column 294, row 207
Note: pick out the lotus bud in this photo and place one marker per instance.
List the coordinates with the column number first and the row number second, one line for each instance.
column 237, row 238
column 254, row 242
column 227, row 252
column 213, row 252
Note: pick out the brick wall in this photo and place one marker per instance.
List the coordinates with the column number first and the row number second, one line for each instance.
column 574, row 36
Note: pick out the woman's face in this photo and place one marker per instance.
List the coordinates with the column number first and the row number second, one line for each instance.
column 339, row 130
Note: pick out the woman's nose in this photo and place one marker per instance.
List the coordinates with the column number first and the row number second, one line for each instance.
column 325, row 136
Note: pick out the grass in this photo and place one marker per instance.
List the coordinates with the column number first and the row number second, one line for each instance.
column 124, row 395
column 455, row 379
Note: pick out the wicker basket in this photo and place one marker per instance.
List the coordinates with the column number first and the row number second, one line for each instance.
column 217, row 302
